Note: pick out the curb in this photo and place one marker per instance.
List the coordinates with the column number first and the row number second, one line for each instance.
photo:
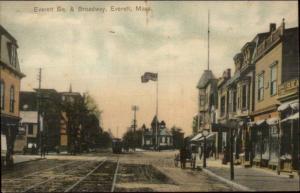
column 37, row 159
column 229, row 182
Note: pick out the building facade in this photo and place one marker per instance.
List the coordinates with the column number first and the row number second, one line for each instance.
column 260, row 101
column 164, row 136
column 50, row 110
column 276, row 62
column 28, row 138
column 10, row 79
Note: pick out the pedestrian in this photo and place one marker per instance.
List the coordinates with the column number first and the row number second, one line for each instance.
column 44, row 150
column 201, row 152
column 182, row 157
column 213, row 150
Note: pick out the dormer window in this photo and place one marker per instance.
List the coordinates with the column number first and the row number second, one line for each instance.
column 12, row 54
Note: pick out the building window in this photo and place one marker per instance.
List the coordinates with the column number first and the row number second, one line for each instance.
column 234, row 101
column 244, row 96
column 12, row 54
column 273, row 80
column 30, row 129
column 223, row 106
column 2, row 94
column 202, row 100
column 12, row 99
column 260, row 91
column 230, row 106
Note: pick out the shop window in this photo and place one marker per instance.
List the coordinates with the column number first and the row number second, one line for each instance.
column 30, row 129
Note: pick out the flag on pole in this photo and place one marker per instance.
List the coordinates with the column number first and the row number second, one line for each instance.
column 149, row 76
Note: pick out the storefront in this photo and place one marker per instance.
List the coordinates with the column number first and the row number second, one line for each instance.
column 9, row 128
column 289, row 128
column 264, row 140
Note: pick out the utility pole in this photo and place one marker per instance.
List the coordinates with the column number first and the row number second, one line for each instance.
column 134, row 108
column 231, row 154
column 208, row 42
column 38, row 109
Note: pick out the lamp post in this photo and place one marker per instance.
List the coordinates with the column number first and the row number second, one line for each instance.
column 205, row 134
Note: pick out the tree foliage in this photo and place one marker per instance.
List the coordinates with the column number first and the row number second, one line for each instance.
column 83, row 126
column 133, row 139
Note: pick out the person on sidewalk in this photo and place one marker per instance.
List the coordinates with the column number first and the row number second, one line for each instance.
column 44, row 150
column 182, row 157
column 201, row 152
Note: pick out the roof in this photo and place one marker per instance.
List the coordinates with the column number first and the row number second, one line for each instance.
column 165, row 132
column 28, row 101
column 205, row 78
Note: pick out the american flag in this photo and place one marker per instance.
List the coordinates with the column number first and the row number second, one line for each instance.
column 149, row 76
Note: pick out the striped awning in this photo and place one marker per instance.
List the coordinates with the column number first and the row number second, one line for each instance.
column 196, row 137
column 260, row 122
column 291, row 117
column 291, row 104
column 272, row 121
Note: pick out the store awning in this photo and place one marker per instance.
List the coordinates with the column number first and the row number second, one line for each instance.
column 196, row 137
column 292, row 117
column 251, row 124
column 272, row 121
column 292, row 104
column 208, row 137
column 260, row 122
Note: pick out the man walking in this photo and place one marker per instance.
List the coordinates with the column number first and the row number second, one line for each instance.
column 182, row 157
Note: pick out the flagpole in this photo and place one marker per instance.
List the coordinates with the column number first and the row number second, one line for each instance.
column 157, row 143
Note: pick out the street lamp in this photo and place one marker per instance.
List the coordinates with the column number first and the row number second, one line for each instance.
column 205, row 134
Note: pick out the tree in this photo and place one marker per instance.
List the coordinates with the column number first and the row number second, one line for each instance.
column 103, row 140
column 178, row 137
column 133, row 139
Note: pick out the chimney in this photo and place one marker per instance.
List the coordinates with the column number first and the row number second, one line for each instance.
column 272, row 27
column 226, row 73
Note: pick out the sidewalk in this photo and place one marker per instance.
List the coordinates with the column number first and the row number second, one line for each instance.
column 255, row 179
column 25, row 158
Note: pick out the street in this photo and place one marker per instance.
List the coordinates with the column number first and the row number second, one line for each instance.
column 105, row 172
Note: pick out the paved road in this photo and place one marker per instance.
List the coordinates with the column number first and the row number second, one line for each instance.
column 105, row 172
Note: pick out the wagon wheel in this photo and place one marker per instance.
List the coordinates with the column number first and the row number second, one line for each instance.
column 176, row 163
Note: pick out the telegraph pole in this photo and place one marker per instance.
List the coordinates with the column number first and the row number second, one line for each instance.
column 134, row 108
column 38, row 109
column 231, row 154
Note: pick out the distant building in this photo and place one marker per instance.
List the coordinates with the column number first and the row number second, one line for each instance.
column 164, row 136
column 50, row 111
column 28, row 133
column 70, row 98
column 207, row 99
column 10, row 79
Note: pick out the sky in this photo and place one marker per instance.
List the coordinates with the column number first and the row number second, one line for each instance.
column 106, row 53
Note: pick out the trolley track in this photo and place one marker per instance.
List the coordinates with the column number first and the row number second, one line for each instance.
column 29, row 182
column 101, row 179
